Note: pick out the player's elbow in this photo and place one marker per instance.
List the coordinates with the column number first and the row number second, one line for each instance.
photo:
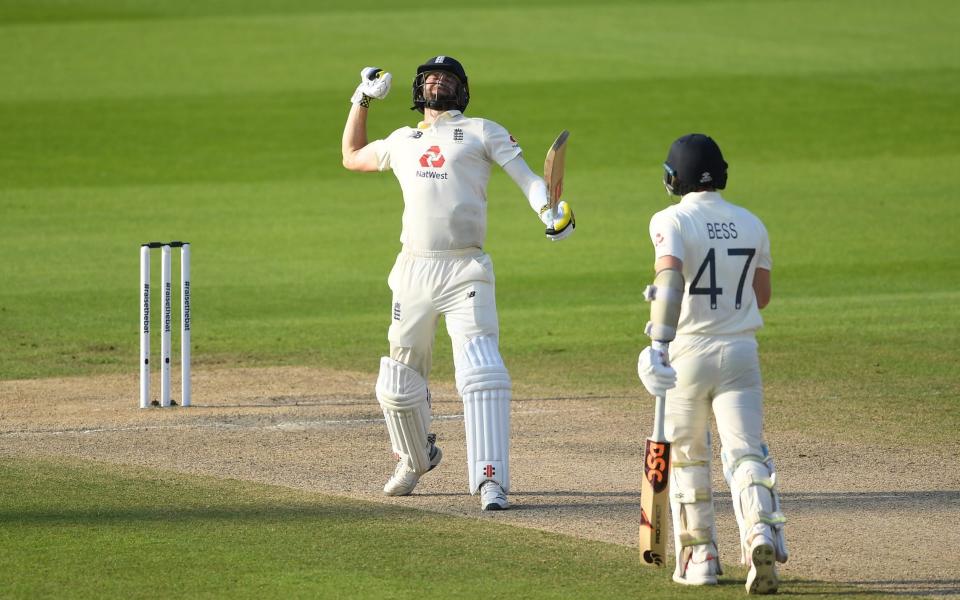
column 762, row 302
column 348, row 162
column 354, row 161
column 352, row 165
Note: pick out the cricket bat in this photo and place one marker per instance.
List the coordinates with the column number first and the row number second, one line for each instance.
column 553, row 168
column 653, row 493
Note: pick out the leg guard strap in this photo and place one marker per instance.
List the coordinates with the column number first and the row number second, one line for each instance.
column 691, row 504
column 756, row 502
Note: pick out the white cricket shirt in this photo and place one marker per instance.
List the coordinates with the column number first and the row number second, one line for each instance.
column 721, row 246
column 443, row 170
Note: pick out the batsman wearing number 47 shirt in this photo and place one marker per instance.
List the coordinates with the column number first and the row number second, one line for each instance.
column 712, row 263
column 443, row 166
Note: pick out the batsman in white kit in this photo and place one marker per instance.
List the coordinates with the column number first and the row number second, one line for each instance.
column 712, row 263
column 443, row 166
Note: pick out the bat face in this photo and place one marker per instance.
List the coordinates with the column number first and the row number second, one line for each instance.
column 553, row 168
column 653, row 502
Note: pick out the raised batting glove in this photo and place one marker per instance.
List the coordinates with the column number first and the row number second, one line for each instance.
column 374, row 85
column 655, row 373
column 560, row 221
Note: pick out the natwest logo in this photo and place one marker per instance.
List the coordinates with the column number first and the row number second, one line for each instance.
column 432, row 158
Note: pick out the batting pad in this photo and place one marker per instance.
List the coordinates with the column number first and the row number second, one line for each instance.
column 484, row 383
column 691, row 501
column 756, row 502
column 402, row 394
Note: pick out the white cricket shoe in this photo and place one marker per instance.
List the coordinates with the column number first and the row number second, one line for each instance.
column 492, row 497
column 762, row 578
column 405, row 479
column 702, row 567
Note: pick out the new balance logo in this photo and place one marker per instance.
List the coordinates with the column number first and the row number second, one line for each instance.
column 472, row 294
column 396, row 311
column 458, row 135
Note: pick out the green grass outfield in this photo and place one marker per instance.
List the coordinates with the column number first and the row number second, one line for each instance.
column 86, row 531
column 124, row 121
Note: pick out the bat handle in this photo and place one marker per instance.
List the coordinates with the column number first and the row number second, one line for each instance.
column 658, row 410
column 659, row 407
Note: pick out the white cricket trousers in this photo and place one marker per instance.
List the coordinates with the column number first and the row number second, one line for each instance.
column 457, row 284
column 721, row 373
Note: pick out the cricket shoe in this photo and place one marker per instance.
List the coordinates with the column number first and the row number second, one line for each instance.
column 701, row 566
column 404, row 479
column 492, row 497
column 762, row 578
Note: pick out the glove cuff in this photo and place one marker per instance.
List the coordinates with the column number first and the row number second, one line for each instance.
column 546, row 215
column 360, row 99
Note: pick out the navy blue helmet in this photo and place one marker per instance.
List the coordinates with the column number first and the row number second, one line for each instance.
column 694, row 163
column 458, row 95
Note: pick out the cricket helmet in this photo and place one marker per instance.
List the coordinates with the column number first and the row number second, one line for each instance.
column 694, row 163
column 456, row 99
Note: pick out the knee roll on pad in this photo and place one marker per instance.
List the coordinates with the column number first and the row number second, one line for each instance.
column 402, row 393
column 484, row 383
column 665, row 297
column 479, row 366
column 756, row 501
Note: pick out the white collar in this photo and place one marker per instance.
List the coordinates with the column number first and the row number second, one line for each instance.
column 447, row 114
column 702, row 197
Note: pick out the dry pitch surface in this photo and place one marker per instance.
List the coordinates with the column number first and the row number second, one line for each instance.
column 886, row 518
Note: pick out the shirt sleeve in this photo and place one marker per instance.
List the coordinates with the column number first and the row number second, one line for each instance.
column 665, row 235
column 500, row 145
column 532, row 185
column 765, row 260
column 383, row 148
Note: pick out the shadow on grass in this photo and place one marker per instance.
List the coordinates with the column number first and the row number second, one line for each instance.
column 800, row 502
column 322, row 510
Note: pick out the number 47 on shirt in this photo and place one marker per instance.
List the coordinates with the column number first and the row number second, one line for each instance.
column 710, row 262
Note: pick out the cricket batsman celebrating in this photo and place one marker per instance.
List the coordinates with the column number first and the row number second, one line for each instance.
column 443, row 166
column 712, row 278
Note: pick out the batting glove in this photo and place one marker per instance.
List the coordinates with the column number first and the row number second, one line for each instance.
column 559, row 221
column 374, row 85
column 655, row 373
